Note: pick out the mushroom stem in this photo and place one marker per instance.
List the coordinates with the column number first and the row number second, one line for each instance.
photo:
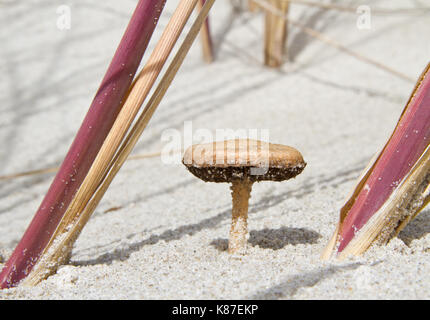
column 240, row 192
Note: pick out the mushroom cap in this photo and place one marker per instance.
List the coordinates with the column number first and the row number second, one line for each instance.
column 229, row 160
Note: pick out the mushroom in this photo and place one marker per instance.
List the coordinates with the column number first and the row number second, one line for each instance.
column 242, row 162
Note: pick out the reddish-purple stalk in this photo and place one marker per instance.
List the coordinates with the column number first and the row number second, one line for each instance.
column 101, row 115
column 407, row 143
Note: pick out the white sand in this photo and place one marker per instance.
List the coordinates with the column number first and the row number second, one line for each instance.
column 167, row 239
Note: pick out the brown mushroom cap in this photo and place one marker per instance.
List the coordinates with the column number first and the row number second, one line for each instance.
column 229, row 160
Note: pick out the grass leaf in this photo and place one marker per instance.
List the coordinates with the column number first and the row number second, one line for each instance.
column 393, row 190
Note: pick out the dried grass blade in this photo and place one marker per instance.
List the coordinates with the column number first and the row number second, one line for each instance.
column 206, row 38
column 29, row 173
column 55, row 169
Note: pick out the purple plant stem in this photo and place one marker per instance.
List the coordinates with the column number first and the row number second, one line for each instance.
column 89, row 139
column 407, row 143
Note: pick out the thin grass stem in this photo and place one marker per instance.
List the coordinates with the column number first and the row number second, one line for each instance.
column 205, row 36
